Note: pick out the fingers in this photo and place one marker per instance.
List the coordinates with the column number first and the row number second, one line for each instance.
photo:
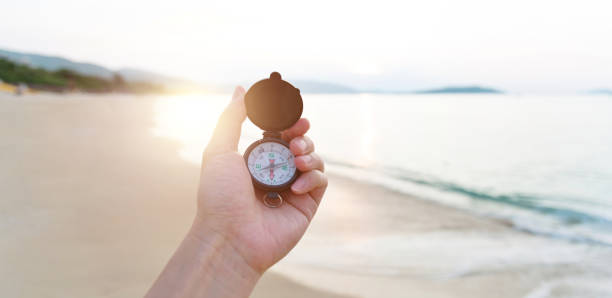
column 309, row 162
column 227, row 133
column 301, row 145
column 298, row 129
column 304, row 203
column 317, row 193
column 309, row 181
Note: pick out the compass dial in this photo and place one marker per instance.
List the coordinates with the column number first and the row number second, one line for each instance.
column 271, row 163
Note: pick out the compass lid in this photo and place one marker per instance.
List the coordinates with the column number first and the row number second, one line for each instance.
column 273, row 104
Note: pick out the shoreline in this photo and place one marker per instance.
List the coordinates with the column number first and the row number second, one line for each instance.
column 433, row 250
column 536, row 220
column 94, row 204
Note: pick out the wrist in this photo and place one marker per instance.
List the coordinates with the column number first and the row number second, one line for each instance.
column 205, row 265
column 217, row 250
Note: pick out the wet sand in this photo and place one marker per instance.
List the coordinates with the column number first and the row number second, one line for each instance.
column 93, row 205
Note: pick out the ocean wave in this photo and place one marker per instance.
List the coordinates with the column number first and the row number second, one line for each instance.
column 539, row 218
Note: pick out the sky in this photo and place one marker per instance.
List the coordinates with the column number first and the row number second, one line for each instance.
column 518, row 45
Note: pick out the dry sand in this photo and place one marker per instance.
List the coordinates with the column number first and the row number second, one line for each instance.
column 93, row 205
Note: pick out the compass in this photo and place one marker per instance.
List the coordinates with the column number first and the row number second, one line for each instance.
column 273, row 105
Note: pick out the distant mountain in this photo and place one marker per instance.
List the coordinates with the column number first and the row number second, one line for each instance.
column 171, row 83
column 463, row 89
column 53, row 63
column 321, row 87
column 601, row 91
column 134, row 74
column 65, row 80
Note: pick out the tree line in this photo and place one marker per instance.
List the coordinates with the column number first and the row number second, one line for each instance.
column 65, row 80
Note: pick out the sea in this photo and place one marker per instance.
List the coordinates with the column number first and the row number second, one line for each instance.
column 540, row 162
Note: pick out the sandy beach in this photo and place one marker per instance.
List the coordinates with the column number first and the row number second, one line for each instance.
column 93, row 205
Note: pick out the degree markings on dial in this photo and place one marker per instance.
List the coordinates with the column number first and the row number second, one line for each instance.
column 261, row 157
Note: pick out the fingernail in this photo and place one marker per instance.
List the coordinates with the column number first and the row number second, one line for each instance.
column 301, row 144
column 237, row 92
column 306, row 158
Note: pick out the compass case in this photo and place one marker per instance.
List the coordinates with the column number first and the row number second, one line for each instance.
column 263, row 186
column 273, row 104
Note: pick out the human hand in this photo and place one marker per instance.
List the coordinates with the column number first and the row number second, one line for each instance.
column 234, row 237
column 229, row 205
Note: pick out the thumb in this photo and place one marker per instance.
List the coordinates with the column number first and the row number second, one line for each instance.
column 227, row 133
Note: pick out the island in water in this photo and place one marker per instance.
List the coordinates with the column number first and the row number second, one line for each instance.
column 601, row 91
column 460, row 89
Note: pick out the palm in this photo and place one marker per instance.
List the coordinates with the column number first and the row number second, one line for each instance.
column 229, row 204
column 228, row 197
column 235, row 237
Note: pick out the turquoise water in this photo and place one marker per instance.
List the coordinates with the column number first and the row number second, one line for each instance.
column 543, row 163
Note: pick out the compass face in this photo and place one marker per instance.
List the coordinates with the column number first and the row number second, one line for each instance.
column 271, row 163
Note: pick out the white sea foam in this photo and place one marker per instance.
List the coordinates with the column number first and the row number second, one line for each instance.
column 438, row 255
column 578, row 287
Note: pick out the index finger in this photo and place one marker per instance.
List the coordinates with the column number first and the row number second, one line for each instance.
column 298, row 129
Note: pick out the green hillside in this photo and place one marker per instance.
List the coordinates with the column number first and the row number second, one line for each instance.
column 68, row 80
column 52, row 63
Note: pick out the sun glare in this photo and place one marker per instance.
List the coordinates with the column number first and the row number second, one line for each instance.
column 189, row 119
column 366, row 131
